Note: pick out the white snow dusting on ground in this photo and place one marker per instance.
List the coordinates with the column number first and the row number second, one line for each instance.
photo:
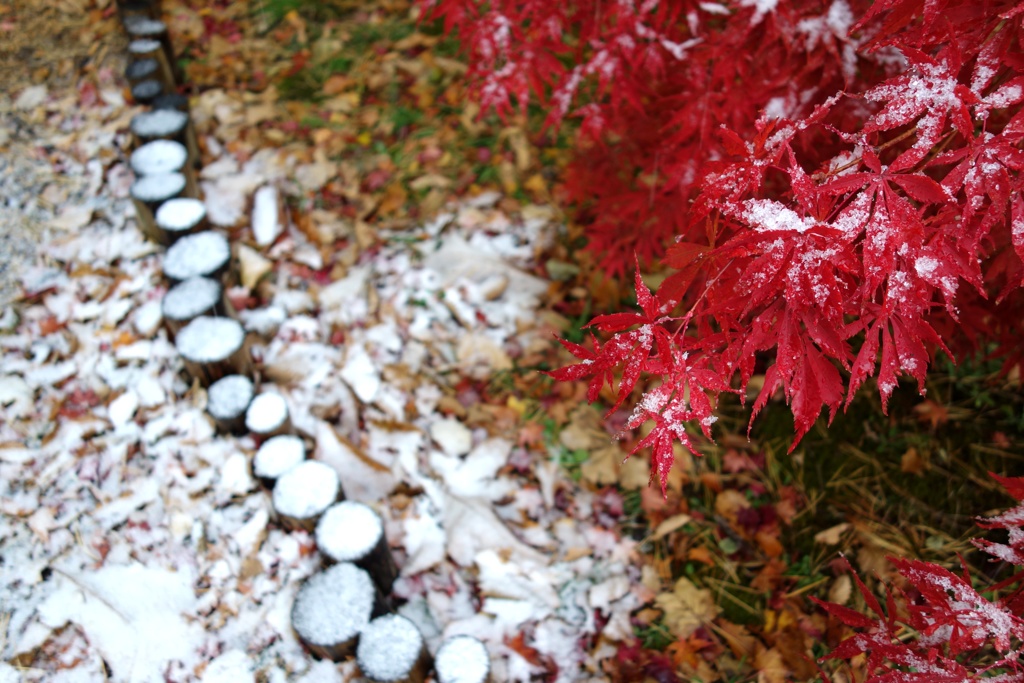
column 135, row 545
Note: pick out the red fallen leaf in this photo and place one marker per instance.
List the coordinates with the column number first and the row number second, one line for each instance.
column 376, row 179
column 518, row 643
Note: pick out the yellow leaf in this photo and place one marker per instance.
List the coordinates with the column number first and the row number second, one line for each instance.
column 687, row 608
column 364, row 138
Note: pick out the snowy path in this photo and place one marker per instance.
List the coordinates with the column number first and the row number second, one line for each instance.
column 134, row 543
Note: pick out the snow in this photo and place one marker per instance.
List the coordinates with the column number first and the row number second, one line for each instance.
column 452, row 436
column 180, row 213
column 766, row 215
column 278, row 455
column 334, row 605
column 156, row 188
column 209, row 340
column 195, row 255
column 159, row 156
column 266, row 225
column 388, row 648
column 348, row 531
column 462, row 659
column 229, row 397
column 190, row 297
column 267, row 412
column 306, row 490
column 159, row 123
column 134, row 615
column 143, row 45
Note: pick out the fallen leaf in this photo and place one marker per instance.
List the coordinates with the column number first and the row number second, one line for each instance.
column 671, row 524
column 831, row 535
column 687, row 608
column 840, row 590
column 913, row 463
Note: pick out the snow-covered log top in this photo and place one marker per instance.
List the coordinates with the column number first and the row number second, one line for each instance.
column 144, row 92
column 158, row 156
column 278, row 455
column 229, row 397
column 158, row 187
column 334, row 606
column 141, row 69
column 389, row 649
column 159, row 123
column 267, row 413
column 194, row 255
column 142, row 26
column 191, row 297
column 348, row 531
column 210, row 340
column 306, row 490
column 143, row 46
column 462, row 659
column 180, row 214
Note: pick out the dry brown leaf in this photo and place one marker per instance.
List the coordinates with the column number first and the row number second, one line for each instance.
column 602, row 467
column 841, row 590
column 913, row 463
column 671, row 524
column 728, row 504
column 832, row 535
column 687, row 608
column 770, row 667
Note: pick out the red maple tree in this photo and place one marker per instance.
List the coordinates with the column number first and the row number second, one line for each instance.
column 836, row 186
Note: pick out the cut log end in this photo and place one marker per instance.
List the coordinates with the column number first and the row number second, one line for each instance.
column 148, row 193
column 276, row 457
column 332, row 608
column 462, row 659
column 353, row 532
column 391, row 650
column 190, row 299
column 179, row 217
column 146, row 92
column 268, row 415
column 227, row 399
column 204, row 254
column 141, row 70
column 303, row 493
column 213, row 348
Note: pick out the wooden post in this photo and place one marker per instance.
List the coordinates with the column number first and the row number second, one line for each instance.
column 213, row 348
column 391, row 650
column 151, row 48
column 165, row 156
column 141, row 70
column 191, row 298
column 148, row 193
column 462, row 659
column 304, row 492
column 353, row 532
column 268, row 416
column 227, row 399
column 179, row 102
column 140, row 28
column 162, row 124
column 177, row 218
column 144, row 92
column 276, row 456
column 331, row 609
column 133, row 10
column 204, row 254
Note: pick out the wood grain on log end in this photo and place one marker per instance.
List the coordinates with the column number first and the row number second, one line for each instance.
column 332, row 608
column 391, row 650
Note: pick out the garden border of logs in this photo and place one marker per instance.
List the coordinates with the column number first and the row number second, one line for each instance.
column 352, row 591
